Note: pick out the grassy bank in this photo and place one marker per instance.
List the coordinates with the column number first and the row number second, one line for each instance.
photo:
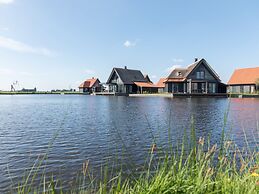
column 194, row 166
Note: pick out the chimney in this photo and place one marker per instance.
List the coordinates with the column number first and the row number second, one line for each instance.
column 125, row 67
column 196, row 59
column 92, row 77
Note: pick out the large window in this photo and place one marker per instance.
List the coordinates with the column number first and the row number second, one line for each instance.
column 200, row 74
column 212, row 87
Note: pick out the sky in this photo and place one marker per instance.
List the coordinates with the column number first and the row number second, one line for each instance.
column 57, row 44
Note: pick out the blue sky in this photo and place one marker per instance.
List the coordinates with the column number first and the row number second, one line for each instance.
column 58, row 43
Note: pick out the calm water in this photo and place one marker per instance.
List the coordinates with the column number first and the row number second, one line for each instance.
column 101, row 128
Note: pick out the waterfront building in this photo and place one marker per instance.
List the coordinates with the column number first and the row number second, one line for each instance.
column 129, row 81
column 90, row 86
column 198, row 77
column 244, row 80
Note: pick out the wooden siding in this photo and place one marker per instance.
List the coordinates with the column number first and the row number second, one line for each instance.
column 207, row 76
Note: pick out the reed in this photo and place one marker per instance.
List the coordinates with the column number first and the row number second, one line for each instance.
column 195, row 165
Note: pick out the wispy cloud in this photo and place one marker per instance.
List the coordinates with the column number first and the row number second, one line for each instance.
column 176, row 64
column 11, row 72
column 128, row 43
column 6, row 1
column 176, row 60
column 89, row 71
column 4, row 28
column 14, row 45
column 170, row 69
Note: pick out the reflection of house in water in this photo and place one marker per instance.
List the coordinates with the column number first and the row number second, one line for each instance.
column 244, row 81
column 198, row 77
column 90, row 86
column 129, row 81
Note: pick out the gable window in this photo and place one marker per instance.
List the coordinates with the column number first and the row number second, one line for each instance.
column 179, row 73
column 200, row 74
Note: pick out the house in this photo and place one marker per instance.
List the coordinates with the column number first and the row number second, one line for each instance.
column 147, row 78
column 161, row 85
column 198, row 77
column 90, row 86
column 28, row 90
column 244, row 80
column 129, row 81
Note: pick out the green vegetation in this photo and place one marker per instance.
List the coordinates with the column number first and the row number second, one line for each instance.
column 192, row 167
column 195, row 165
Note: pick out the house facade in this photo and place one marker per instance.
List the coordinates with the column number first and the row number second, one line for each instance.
column 129, row 81
column 198, row 77
column 90, row 86
column 244, row 80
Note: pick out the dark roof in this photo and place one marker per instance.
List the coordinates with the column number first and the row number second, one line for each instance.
column 128, row 76
column 184, row 72
column 147, row 78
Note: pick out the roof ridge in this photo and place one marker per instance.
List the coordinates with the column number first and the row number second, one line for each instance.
column 246, row 68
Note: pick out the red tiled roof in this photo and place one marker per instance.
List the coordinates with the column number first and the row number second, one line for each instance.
column 88, row 83
column 161, row 83
column 145, row 84
column 244, row 76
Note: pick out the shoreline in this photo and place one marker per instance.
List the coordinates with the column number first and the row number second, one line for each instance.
column 165, row 95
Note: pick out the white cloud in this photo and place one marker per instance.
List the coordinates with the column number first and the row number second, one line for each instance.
column 5, row 29
column 11, row 72
column 175, row 60
column 6, row 1
column 170, row 69
column 89, row 71
column 128, row 44
column 14, row 45
column 6, row 72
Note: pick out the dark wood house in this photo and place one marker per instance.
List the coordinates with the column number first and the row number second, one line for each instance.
column 244, row 80
column 198, row 77
column 129, row 81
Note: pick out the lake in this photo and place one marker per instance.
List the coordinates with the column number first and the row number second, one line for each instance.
column 107, row 128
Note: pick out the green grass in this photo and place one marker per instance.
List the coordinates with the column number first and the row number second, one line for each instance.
column 194, row 166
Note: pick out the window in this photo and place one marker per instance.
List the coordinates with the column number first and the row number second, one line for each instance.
column 212, row 88
column 179, row 73
column 200, row 74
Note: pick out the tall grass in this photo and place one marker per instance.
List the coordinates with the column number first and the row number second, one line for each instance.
column 195, row 165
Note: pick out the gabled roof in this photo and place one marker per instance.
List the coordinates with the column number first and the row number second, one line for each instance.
column 89, row 83
column 180, row 74
column 147, row 78
column 128, row 76
column 145, row 84
column 244, row 76
column 161, row 83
